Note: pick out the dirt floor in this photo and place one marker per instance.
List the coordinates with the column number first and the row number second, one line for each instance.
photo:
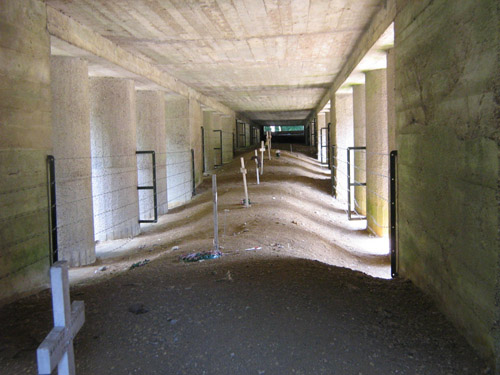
column 315, row 299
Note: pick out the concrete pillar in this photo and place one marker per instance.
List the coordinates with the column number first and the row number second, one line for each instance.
column 179, row 163
column 25, row 141
column 326, row 151
column 215, row 139
column 114, row 163
column 345, row 138
column 195, row 124
column 227, row 125
column 377, row 152
column 71, row 140
column 333, row 142
column 391, row 105
column 150, row 111
column 359, row 119
column 320, row 123
column 208, row 126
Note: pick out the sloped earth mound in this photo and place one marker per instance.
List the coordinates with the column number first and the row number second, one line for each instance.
column 273, row 310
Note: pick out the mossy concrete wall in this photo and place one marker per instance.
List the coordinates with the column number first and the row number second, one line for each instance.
column 447, row 108
column 25, row 142
column 71, row 140
column 377, row 152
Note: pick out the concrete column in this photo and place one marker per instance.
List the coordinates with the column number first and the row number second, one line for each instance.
column 320, row 123
column 326, row 151
column 377, row 152
column 359, row 119
column 227, row 125
column 215, row 139
column 208, row 125
column 333, row 142
column 179, row 164
column 114, row 163
column 345, row 138
column 151, row 137
column 195, row 124
column 391, row 105
column 25, row 141
column 71, row 140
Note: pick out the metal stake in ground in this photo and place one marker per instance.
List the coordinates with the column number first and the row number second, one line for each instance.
column 57, row 348
column 257, row 166
column 262, row 149
column 244, row 173
column 216, row 216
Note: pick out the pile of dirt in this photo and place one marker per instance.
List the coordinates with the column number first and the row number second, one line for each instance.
column 293, row 293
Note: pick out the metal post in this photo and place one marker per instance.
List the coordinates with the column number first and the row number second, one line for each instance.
column 244, row 173
column 51, row 174
column 393, row 227
column 203, row 148
column 193, row 172
column 216, row 218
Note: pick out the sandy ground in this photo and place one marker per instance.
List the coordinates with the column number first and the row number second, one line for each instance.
column 315, row 299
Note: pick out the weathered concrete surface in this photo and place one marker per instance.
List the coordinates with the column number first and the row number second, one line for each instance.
column 359, row 122
column 71, row 140
column 179, row 171
column 150, row 126
column 281, row 54
column 345, row 138
column 378, row 24
column 25, row 141
column 114, row 163
column 377, row 152
column 81, row 36
column 447, row 83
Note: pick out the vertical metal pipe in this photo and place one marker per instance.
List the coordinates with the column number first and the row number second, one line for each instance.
column 216, row 217
column 393, row 226
column 193, row 177
column 155, row 191
column 51, row 174
column 203, row 148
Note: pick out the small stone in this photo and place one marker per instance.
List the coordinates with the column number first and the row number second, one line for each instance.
column 137, row 308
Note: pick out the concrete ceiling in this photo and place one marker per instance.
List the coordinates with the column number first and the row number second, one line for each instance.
column 272, row 60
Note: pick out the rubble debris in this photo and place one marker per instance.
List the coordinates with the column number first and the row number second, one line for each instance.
column 201, row 255
column 139, row 264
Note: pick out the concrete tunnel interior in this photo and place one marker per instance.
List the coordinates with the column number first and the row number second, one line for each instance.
column 114, row 115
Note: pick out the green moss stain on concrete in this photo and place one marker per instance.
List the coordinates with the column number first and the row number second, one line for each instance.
column 25, row 141
column 448, row 137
